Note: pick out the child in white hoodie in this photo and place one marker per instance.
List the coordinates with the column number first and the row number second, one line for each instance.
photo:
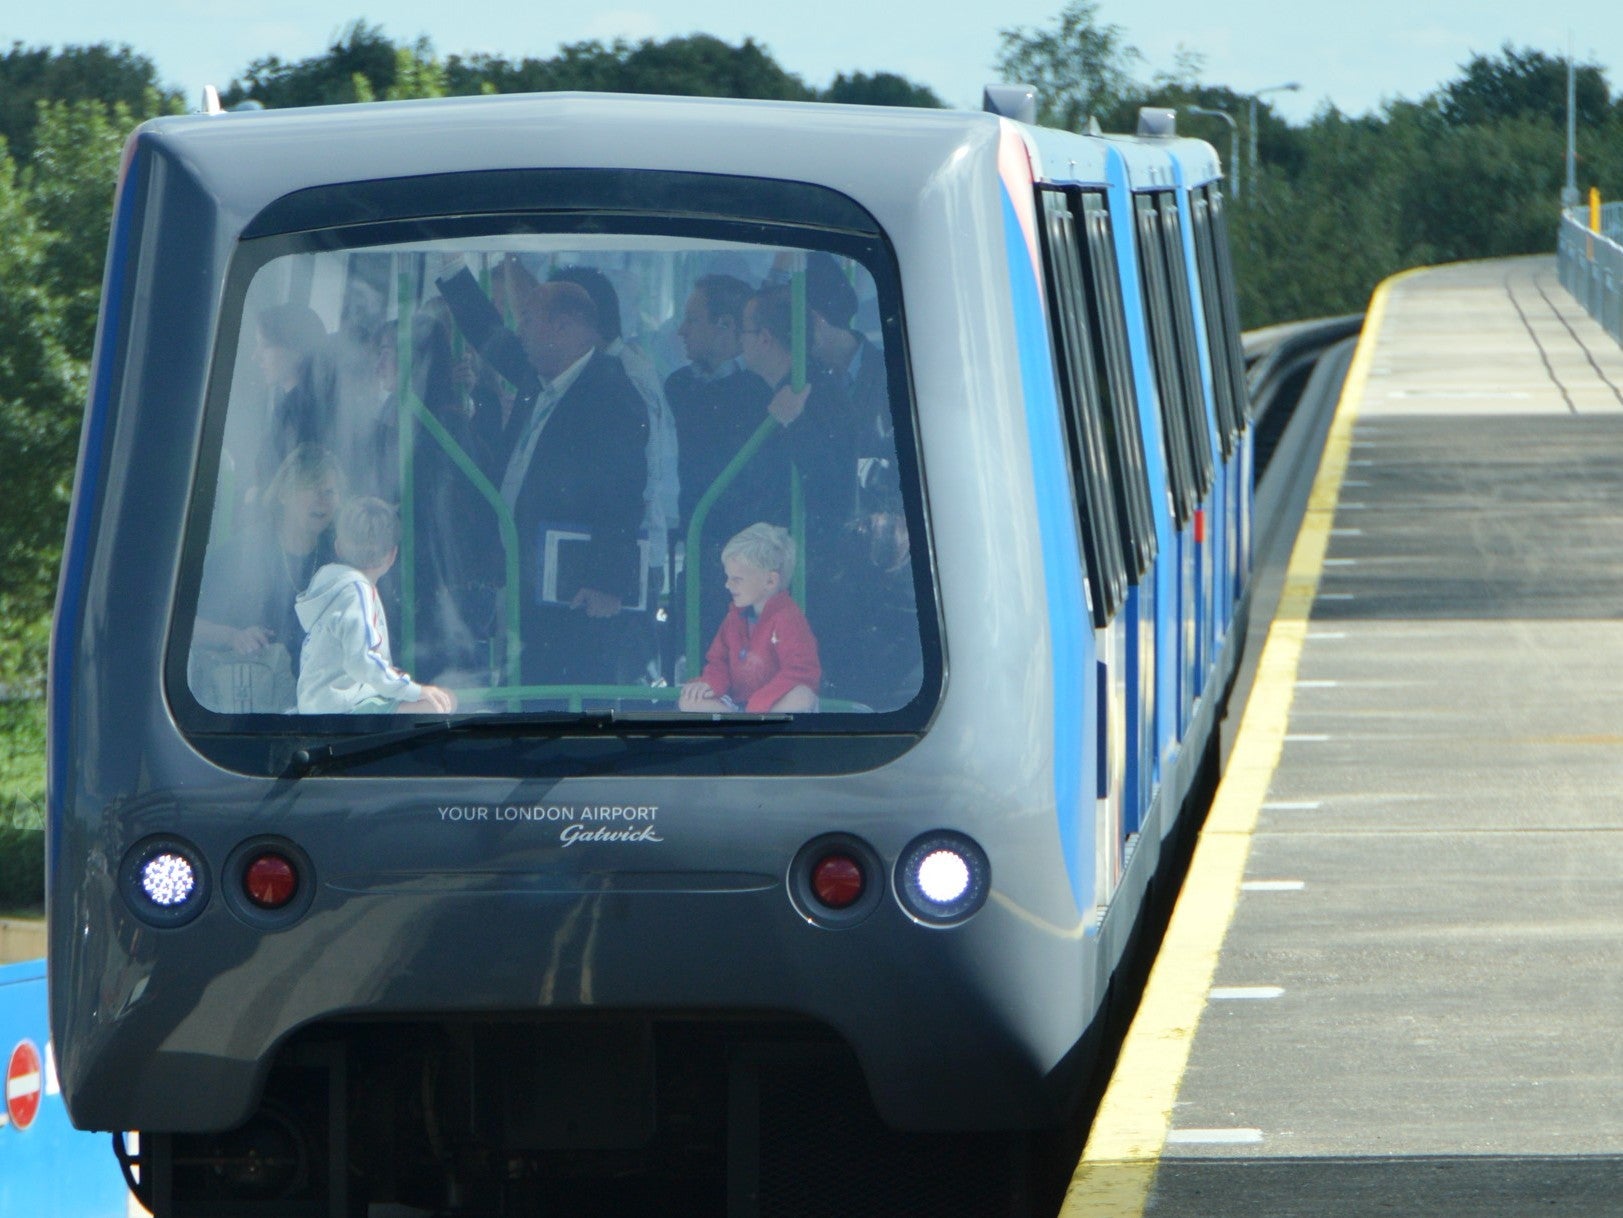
column 346, row 665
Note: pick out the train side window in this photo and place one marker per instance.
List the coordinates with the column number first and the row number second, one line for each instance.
column 1091, row 464
column 1231, row 306
column 1184, row 492
column 1188, row 353
column 1229, row 415
column 1108, row 319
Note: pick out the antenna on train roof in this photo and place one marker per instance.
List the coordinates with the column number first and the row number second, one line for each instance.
column 1157, row 121
column 1018, row 102
column 211, row 100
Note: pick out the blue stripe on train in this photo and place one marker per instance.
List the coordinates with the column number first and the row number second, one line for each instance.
column 1069, row 626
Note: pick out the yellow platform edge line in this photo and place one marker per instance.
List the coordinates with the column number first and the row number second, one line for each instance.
column 1117, row 1169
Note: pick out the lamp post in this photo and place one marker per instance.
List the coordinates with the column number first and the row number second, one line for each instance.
column 1234, row 175
column 1289, row 88
column 1569, row 193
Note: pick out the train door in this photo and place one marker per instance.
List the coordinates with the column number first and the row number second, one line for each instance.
column 1189, row 364
column 1107, row 320
column 1189, row 458
column 1227, row 324
column 1111, row 495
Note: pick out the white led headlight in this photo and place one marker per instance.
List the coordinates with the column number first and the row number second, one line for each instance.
column 942, row 878
column 164, row 881
column 168, row 879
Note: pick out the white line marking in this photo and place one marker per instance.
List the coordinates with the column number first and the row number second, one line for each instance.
column 1306, row 739
column 1346, row 532
column 1352, row 507
column 1326, row 634
column 1458, row 393
column 1244, row 993
column 1337, row 596
column 1317, row 685
column 1341, row 562
column 1273, row 885
column 1214, row 1137
column 1311, row 805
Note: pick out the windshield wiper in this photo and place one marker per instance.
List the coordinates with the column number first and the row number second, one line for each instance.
column 310, row 760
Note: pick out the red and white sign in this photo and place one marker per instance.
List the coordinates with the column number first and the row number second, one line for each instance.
column 24, row 1080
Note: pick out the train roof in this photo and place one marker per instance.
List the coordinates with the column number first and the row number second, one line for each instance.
column 246, row 160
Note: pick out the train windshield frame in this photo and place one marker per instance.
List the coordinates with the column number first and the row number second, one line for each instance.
column 463, row 308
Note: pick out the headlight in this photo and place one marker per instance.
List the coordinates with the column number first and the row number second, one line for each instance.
column 164, row 881
column 942, row 878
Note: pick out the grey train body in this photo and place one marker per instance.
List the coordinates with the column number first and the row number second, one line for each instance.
column 599, row 881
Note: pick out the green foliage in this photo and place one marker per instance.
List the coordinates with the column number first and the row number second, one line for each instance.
column 22, row 870
column 880, row 89
column 359, row 66
column 40, row 384
column 22, row 763
column 697, row 65
column 1079, row 67
column 1524, row 84
column 100, row 73
column 22, row 805
column 417, row 73
column 56, row 212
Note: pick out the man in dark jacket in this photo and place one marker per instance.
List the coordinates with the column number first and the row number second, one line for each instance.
column 574, row 481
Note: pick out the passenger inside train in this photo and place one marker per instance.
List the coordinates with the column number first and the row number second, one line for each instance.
column 764, row 656
column 570, row 427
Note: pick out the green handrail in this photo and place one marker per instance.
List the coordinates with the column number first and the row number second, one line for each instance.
column 701, row 511
column 412, row 407
column 692, row 574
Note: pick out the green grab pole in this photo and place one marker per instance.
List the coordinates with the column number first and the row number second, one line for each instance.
column 701, row 512
column 575, row 695
column 797, row 530
column 797, row 380
column 408, row 516
column 504, row 523
column 797, row 331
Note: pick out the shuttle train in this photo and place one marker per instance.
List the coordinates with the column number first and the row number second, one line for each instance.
column 457, row 795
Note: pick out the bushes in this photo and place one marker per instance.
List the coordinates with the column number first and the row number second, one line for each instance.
column 22, row 870
column 22, row 805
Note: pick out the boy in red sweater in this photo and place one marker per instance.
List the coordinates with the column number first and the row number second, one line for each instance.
column 764, row 657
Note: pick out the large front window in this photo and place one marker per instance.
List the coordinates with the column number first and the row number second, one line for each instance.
column 521, row 471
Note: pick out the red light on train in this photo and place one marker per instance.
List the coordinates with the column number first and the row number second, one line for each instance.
column 270, row 881
column 837, row 881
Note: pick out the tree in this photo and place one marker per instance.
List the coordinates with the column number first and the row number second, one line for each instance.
column 1078, row 67
column 102, row 73
column 697, row 65
column 880, row 89
column 1523, row 84
column 359, row 66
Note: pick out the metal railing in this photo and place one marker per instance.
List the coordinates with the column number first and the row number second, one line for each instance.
column 1591, row 264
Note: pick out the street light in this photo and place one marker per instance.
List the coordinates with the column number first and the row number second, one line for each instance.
column 1234, row 143
column 1290, row 88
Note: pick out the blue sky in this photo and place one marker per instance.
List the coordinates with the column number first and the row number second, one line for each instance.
column 1355, row 57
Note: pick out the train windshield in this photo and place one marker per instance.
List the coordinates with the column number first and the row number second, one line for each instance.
column 541, row 472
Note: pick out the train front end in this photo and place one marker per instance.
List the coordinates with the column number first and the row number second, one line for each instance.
column 689, row 821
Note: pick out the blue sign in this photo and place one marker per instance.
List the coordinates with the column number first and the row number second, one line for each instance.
column 48, row 1169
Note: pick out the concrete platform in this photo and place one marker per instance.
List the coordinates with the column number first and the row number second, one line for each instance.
column 1394, row 982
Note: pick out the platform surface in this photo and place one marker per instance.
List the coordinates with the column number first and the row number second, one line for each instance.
column 1394, row 981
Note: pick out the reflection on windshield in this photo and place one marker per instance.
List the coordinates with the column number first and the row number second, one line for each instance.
column 554, row 473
